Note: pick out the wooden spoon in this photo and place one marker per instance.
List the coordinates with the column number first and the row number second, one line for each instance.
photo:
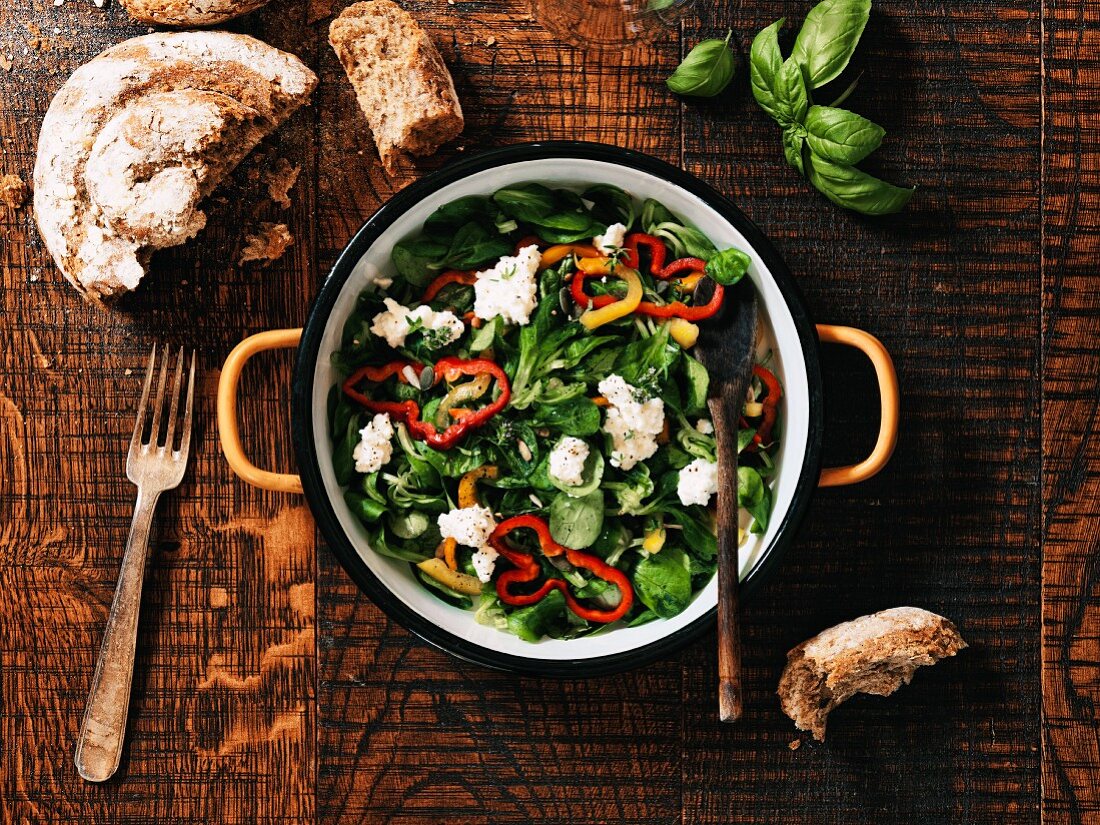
column 727, row 347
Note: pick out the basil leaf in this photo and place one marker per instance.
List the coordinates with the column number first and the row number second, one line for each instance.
column 765, row 60
column 849, row 187
column 829, row 37
column 841, row 136
column 473, row 245
column 654, row 213
column 526, row 201
column 794, row 136
column 610, row 204
column 728, row 266
column 415, row 259
column 450, row 216
column 576, row 522
column 697, row 385
column 685, row 240
column 705, row 71
column 791, row 99
column 663, row 582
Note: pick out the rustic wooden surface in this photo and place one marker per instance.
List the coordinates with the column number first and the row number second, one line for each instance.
column 269, row 689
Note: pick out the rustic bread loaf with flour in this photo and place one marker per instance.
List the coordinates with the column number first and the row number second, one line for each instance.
column 400, row 80
column 874, row 654
column 189, row 12
column 138, row 136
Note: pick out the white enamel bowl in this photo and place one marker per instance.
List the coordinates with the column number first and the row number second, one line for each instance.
column 390, row 583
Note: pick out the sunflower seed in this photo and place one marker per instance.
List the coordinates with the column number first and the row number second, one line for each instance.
column 524, row 450
column 427, row 378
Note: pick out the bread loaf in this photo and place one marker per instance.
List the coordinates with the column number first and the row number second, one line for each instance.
column 872, row 654
column 189, row 12
column 138, row 136
column 400, row 80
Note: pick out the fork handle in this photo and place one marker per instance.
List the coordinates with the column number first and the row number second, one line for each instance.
column 99, row 746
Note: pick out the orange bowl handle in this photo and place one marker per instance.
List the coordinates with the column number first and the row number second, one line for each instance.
column 872, row 347
column 227, row 410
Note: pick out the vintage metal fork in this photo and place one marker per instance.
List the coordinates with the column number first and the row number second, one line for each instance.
column 154, row 466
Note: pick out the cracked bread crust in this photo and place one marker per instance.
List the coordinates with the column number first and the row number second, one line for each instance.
column 400, row 80
column 873, row 654
column 189, row 12
column 139, row 135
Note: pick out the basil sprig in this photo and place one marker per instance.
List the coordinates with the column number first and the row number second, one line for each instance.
column 822, row 142
column 705, row 71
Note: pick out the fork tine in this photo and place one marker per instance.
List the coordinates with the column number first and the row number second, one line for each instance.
column 170, row 435
column 139, row 425
column 158, row 402
column 185, row 442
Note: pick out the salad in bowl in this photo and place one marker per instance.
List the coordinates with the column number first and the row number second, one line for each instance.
column 520, row 418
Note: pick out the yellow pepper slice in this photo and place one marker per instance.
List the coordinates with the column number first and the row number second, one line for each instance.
column 463, row 583
column 596, row 266
column 555, row 254
column 594, row 318
column 467, row 497
column 467, row 486
column 683, row 332
column 654, row 540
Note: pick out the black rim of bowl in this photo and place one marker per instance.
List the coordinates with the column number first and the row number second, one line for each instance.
column 309, row 467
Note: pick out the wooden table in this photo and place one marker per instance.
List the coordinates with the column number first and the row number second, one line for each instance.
column 269, row 689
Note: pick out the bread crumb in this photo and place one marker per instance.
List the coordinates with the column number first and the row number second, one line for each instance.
column 795, row 744
column 13, row 192
column 41, row 361
column 267, row 244
column 491, row 41
column 128, row 371
column 280, row 179
column 5, row 63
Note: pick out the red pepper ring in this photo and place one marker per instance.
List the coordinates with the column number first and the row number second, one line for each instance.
column 449, row 369
column 656, row 247
column 681, row 265
column 451, row 276
column 528, row 570
column 677, row 309
column 770, row 403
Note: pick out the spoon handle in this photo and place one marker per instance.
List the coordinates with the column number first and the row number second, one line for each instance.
column 730, row 704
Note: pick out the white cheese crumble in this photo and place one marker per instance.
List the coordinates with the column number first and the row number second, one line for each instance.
column 632, row 424
column 509, row 289
column 611, row 240
column 469, row 526
column 374, row 448
column 485, row 561
column 705, row 426
column 397, row 321
column 567, row 461
column 698, row 481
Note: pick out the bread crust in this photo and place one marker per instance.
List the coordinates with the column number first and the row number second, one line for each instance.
column 139, row 135
column 873, row 654
column 189, row 12
column 400, row 80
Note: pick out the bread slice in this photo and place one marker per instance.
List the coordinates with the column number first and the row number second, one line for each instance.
column 874, row 654
column 140, row 135
column 188, row 13
column 400, row 80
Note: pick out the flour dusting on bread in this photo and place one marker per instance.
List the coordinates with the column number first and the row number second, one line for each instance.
column 140, row 135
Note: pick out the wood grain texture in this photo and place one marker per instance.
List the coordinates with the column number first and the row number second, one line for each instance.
column 269, row 689
column 222, row 718
column 1071, row 370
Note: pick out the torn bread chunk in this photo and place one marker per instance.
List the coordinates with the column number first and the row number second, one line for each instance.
column 266, row 244
column 873, row 654
column 400, row 80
